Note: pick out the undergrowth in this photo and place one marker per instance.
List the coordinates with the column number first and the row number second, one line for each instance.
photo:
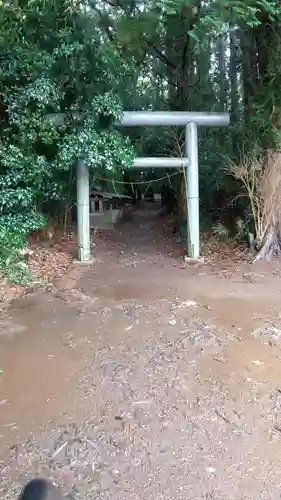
column 12, row 264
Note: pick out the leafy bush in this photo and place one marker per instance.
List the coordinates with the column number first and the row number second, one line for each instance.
column 53, row 61
column 14, row 230
column 11, row 267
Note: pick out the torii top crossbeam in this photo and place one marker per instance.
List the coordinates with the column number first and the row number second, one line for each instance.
column 173, row 118
column 158, row 118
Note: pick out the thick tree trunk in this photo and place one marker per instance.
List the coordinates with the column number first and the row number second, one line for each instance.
column 261, row 51
column 271, row 246
column 178, row 53
column 271, row 213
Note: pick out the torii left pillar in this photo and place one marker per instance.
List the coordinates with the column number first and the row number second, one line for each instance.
column 83, row 215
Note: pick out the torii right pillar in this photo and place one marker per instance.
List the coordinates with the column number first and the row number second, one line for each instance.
column 193, row 232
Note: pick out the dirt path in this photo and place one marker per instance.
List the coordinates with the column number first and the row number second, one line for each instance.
column 142, row 378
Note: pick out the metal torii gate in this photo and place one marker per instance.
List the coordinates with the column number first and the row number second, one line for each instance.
column 190, row 121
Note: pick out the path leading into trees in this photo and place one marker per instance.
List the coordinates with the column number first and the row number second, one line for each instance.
column 142, row 378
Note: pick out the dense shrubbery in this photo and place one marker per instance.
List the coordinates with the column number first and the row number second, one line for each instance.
column 53, row 60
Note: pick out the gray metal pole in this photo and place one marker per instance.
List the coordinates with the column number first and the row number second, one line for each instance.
column 173, row 118
column 83, row 213
column 155, row 118
column 160, row 162
column 191, row 144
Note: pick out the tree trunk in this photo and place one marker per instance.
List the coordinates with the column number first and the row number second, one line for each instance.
column 233, row 77
column 271, row 244
column 261, row 55
column 177, row 54
column 249, row 70
column 221, row 48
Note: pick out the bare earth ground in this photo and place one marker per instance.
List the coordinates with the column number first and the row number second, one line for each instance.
column 142, row 378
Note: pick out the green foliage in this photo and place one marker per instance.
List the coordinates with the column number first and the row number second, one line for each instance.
column 54, row 61
column 99, row 147
column 11, row 265
column 189, row 43
column 21, row 184
column 221, row 231
column 22, row 177
column 62, row 70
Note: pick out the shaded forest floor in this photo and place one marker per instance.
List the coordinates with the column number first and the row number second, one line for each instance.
column 142, row 377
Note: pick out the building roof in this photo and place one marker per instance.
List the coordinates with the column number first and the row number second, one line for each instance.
column 109, row 195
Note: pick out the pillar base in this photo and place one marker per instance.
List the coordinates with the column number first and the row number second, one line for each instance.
column 194, row 260
column 85, row 263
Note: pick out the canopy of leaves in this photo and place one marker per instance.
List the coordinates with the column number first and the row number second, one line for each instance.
column 218, row 55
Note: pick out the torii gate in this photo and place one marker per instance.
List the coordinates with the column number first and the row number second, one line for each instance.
column 190, row 121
